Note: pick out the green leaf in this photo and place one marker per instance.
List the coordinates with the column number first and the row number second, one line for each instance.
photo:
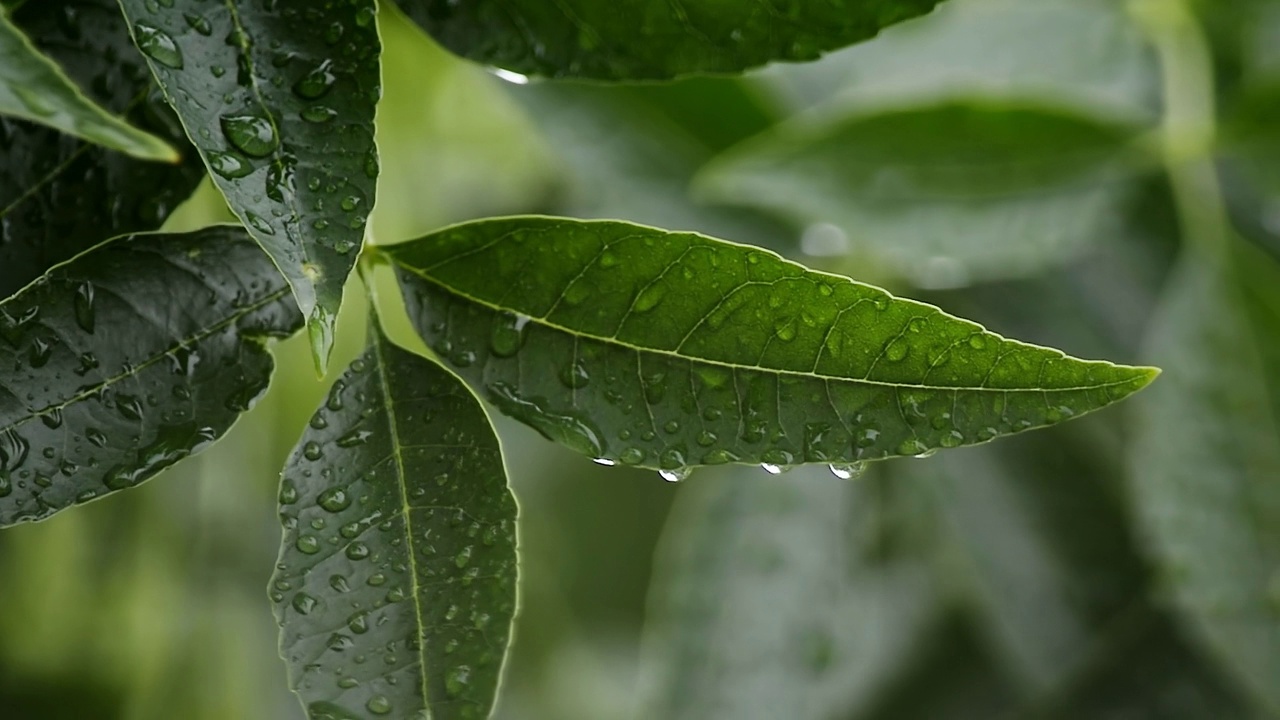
column 128, row 359
column 1205, row 461
column 396, row 585
column 796, row 599
column 32, row 87
column 942, row 194
column 279, row 99
column 650, row 39
column 669, row 350
column 46, row 174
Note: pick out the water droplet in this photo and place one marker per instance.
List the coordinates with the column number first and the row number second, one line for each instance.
column 158, row 45
column 632, row 456
column 457, row 679
column 334, row 500
column 649, row 298
column 96, row 437
column 463, row 557
column 84, row 310
column 318, row 114
column 317, row 83
column 253, row 135
column 339, row 583
column 604, row 461
column 358, row 623
column 378, row 705
column 977, row 341
column 568, row 430
column 39, row 354
column 52, row 419
column 354, row 438
column 198, row 23
column 508, row 335
column 771, row 469
column 676, row 475
column 357, row 551
column 575, row 376
column 850, row 471
column 896, row 350
column 304, row 603
column 312, row 451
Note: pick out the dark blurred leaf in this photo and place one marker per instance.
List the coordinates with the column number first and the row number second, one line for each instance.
column 650, row 39
column 1206, row 461
column 796, row 598
column 669, row 350
column 399, row 547
column 128, row 359
column 942, row 194
column 60, row 196
column 290, row 144
column 33, row 88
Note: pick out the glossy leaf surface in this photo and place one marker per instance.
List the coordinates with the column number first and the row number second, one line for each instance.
column 1206, row 460
column 60, row 196
column 32, row 87
column 396, row 584
column 670, row 350
column 650, row 39
column 128, row 359
column 279, row 98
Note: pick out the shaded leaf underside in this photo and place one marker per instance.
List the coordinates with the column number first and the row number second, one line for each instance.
column 670, row 350
column 396, row 583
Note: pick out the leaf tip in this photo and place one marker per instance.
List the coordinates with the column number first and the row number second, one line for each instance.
column 320, row 332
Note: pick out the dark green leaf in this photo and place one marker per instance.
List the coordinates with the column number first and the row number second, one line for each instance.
column 669, row 350
column 942, row 194
column 128, row 359
column 396, row 585
column 796, row 599
column 650, row 39
column 1206, row 461
column 32, row 87
column 279, row 98
column 60, row 196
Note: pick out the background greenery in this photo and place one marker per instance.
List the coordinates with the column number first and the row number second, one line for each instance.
column 1001, row 158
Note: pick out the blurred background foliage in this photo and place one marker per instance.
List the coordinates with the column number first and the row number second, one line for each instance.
column 1000, row 158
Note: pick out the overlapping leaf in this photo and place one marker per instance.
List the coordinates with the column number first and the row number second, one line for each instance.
column 650, row 39
column 33, row 88
column 396, row 584
column 670, row 350
column 58, row 195
column 279, row 98
column 1206, row 461
column 128, row 359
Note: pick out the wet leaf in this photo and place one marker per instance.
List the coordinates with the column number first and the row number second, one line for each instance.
column 60, row 196
column 32, row 87
column 1205, row 461
column 650, row 39
column 279, row 99
column 396, row 585
column 942, row 194
column 128, row 359
column 670, row 350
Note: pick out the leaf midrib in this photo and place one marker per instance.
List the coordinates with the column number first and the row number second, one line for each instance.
column 792, row 373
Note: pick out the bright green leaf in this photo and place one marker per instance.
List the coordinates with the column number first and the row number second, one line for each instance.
column 399, row 547
column 1206, row 461
column 942, row 194
column 46, row 172
column 279, row 99
column 788, row 599
column 34, row 88
column 650, row 39
column 128, row 359
column 670, row 350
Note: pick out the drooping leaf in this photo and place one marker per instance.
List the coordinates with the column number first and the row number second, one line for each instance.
column 796, row 599
column 59, row 196
column 1206, row 461
column 128, row 359
column 279, row 99
column 396, row 585
column 942, row 194
column 669, row 350
column 650, row 39
column 32, row 87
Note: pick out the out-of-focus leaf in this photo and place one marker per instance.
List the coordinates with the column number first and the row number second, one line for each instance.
column 58, row 195
column 1083, row 55
column 650, row 39
column 788, row 599
column 399, row 547
column 279, row 99
column 1206, row 461
column 942, row 194
column 128, row 359
column 669, row 350
column 32, row 87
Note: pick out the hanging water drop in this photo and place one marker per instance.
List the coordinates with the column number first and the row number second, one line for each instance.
column 850, row 471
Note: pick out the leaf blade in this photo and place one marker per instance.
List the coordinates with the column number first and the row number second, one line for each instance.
column 437, row 537
column 131, row 357
column 649, row 39
column 824, row 368
column 32, row 87
column 293, row 148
